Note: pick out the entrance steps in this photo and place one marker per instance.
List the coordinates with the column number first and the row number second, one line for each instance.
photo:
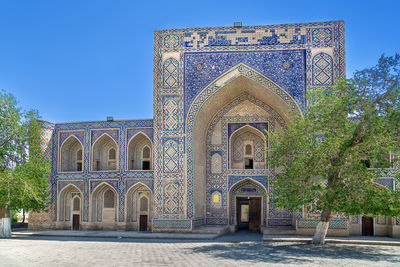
column 211, row 229
column 279, row 231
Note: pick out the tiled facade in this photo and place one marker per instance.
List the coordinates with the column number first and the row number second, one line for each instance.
column 209, row 85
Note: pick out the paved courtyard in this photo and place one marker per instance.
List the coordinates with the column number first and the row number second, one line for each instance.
column 225, row 251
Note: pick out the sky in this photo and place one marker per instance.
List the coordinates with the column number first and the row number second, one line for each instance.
column 79, row 60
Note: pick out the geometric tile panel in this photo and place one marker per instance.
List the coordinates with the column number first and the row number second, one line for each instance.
column 322, row 70
column 171, row 77
column 269, row 64
column 171, row 198
column 321, row 35
column 172, row 224
column 220, row 37
column 170, row 114
column 78, row 134
column 113, row 133
column 171, row 156
column 45, row 143
column 171, row 41
column 333, row 224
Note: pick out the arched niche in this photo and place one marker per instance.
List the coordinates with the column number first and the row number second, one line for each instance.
column 228, row 87
column 249, row 189
column 247, row 149
column 104, row 201
column 138, row 203
column 105, row 154
column 66, row 207
column 71, row 155
column 139, row 153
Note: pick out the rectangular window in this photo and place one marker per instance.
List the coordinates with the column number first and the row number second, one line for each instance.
column 146, row 165
column 248, row 164
column 79, row 166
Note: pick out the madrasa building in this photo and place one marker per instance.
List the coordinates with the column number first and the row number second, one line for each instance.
column 201, row 161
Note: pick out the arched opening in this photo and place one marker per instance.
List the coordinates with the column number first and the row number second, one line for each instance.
column 105, row 154
column 248, row 200
column 143, row 213
column 76, row 214
column 69, row 203
column 104, row 205
column 228, row 87
column 76, row 206
column 139, row 153
column 138, row 207
column 71, row 155
column 247, row 149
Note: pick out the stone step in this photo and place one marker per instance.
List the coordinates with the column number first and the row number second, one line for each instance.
column 279, row 231
column 207, row 229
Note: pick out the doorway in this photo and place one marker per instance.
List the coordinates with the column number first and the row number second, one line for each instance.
column 75, row 222
column 248, row 211
column 143, row 223
column 367, row 226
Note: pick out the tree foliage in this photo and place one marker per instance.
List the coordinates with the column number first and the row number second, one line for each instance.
column 322, row 159
column 23, row 172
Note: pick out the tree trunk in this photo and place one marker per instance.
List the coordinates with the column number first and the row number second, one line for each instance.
column 322, row 228
column 5, row 223
column 23, row 216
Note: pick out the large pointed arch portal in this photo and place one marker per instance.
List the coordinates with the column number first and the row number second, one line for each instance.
column 235, row 82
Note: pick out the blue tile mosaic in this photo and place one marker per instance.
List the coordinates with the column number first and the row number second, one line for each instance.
column 268, row 63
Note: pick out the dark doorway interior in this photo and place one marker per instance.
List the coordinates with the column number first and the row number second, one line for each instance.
column 367, row 226
column 75, row 222
column 146, row 165
column 248, row 210
column 249, row 164
column 143, row 223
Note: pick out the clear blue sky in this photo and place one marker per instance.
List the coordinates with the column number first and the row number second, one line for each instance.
column 77, row 60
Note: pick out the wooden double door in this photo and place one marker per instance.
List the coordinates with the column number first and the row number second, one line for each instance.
column 367, row 225
column 248, row 211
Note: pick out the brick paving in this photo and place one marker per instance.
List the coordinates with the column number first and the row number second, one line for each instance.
column 224, row 251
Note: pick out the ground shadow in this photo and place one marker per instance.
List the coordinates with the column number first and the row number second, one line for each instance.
column 289, row 253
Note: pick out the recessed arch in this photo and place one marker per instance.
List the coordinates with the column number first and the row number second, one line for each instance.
column 134, row 155
column 76, row 203
column 132, row 203
column 100, row 154
column 65, row 197
column 137, row 185
column 68, row 156
column 251, row 190
column 100, row 213
column 247, row 180
column 238, row 81
column 242, row 139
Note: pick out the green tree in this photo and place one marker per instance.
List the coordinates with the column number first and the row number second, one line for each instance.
column 354, row 124
column 23, row 172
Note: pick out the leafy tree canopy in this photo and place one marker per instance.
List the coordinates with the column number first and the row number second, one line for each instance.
column 323, row 157
column 23, row 172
